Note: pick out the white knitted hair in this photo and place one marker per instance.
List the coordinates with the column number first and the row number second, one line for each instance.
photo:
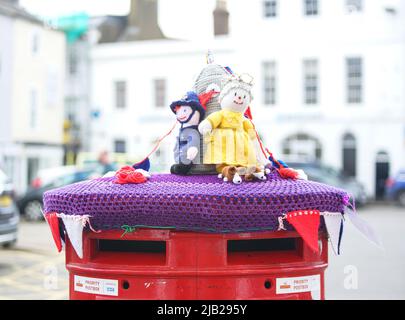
column 236, row 82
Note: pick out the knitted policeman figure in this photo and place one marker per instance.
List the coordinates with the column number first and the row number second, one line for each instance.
column 229, row 134
column 189, row 111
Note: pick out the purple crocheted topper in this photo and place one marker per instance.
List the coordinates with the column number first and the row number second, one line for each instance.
column 197, row 203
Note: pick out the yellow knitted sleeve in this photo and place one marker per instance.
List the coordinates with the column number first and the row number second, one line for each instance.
column 215, row 119
column 248, row 127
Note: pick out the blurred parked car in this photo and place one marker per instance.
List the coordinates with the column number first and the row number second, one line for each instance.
column 47, row 176
column 328, row 175
column 395, row 188
column 9, row 215
column 30, row 204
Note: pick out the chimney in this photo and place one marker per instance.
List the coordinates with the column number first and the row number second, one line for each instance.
column 143, row 21
column 221, row 18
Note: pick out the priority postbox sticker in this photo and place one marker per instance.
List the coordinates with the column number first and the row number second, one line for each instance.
column 300, row 284
column 96, row 286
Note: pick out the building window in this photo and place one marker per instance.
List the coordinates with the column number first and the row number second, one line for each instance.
column 310, row 81
column 354, row 69
column 52, row 87
column 33, row 118
column 160, row 159
column 73, row 62
column 382, row 172
column 160, row 92
column 120, row 146
column 354, row 5
column 302, row 147
column 349, row 155
column 35, row 43
column 311, row 7
column 270, row 8
column 269, row 83
column 120, row 94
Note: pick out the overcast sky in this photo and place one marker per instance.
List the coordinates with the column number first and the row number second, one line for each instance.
column 178, row 18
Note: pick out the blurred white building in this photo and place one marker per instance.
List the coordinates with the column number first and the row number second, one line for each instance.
column 330, row 81
column 32, row 67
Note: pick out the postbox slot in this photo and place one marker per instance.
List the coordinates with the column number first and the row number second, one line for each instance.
column 140, row 246
column 129, row 252
column 263, row 251
column 282, row 244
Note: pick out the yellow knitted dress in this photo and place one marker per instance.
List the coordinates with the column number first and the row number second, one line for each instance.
column 230, row 141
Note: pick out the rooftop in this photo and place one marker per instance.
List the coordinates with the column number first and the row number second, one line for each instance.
column 13, row 10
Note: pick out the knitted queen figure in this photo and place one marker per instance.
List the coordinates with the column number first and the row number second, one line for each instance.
column 229, row 135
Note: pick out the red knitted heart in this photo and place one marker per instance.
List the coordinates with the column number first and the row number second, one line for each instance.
column 128, row 174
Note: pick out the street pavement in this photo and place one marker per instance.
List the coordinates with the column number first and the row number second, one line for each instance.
column 33, row 269
column 380, row 273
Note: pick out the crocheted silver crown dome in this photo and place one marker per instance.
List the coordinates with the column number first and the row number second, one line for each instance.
column 211, row 77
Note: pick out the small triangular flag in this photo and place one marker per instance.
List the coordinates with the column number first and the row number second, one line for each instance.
column 248, row 113
column 144, row 164
column 53, row 222
column 306, row 222
column 74, row 229
column 333, row 222
column 365, row 229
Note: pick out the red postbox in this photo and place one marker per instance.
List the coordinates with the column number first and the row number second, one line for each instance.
column 169, row 264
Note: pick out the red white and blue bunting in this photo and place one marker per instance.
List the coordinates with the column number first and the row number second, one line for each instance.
column 74, row 226
column 53, row 222
column 306, row 223
column 334, row 226
column 364, row 228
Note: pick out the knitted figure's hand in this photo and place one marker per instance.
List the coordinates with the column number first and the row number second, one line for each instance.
column 205, row 127
column 192, row 153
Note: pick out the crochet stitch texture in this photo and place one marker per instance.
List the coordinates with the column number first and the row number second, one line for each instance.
column 194, row 203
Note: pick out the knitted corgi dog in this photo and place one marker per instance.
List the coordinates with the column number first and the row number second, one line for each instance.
column 253, row 173
column 235, row 174
column 230, row 173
